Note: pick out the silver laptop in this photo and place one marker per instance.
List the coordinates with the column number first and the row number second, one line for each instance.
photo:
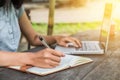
column 93, row 47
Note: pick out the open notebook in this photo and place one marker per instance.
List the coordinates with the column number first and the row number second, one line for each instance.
column 66, row 62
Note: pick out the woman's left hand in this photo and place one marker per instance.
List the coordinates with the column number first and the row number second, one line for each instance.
column 63, row 41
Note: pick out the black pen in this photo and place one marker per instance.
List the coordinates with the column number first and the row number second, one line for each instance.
column 43, row 42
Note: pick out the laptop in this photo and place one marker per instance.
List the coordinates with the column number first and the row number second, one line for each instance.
column 94, row 47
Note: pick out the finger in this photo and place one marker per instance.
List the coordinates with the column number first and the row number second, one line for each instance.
column 42, row 63
column 55, row 58
column 45, row 66
column 53, row 63
column 72, row 43
column 78, row 43
column 67, row 40
column 55, row 53
column 64, row 44
column 25, row 67
column 49, row 64
column 58, row 54
column 75, row 42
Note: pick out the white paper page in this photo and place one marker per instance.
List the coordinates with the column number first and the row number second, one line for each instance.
column 79, row 61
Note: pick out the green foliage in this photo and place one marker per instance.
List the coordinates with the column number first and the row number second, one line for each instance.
column 66, row 28
column 40, row 28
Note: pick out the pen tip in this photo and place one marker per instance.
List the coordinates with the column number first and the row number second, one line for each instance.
column 40, row 38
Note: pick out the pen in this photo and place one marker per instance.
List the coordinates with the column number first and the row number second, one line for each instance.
column 43, row 42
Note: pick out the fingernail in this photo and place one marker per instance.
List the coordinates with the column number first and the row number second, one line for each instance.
column 63, row 55
column 67, row 45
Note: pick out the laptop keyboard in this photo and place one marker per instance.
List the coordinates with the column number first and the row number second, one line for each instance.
column 88, row 47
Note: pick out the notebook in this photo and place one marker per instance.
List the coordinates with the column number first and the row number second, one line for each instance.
column 93, row 47
column 66, row 62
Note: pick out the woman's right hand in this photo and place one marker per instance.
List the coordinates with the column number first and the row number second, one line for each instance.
column 47, row 58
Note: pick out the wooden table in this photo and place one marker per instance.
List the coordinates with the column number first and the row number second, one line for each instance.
column 104, row 67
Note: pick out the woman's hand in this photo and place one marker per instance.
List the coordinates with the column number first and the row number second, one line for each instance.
column 63, row 41
column 47, row 58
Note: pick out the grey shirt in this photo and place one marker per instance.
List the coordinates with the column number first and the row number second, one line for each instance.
column 9, row 28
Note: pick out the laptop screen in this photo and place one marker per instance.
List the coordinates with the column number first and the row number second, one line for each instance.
column 106, row 23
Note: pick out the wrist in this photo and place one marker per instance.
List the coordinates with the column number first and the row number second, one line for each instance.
column 24, row 59
column 30, row 56
column 57, row 38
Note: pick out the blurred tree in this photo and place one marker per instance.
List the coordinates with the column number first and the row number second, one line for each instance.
column 77, row 3
column 72, row 3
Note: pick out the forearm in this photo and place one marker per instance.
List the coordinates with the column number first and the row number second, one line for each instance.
column 49, row 39
column 14, row 59
column 31, row 35
column 52, row 39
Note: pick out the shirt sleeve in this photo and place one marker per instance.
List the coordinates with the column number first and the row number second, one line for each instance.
column 20, row 11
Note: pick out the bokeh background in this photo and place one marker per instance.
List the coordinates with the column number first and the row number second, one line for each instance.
column 71, row 16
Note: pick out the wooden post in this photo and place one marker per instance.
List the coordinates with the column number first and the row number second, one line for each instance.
column 51, row 17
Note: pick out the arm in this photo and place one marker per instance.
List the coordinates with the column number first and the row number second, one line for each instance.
column 33, row 38
column 29, row 32
column 46, row 58
column 12, row 58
